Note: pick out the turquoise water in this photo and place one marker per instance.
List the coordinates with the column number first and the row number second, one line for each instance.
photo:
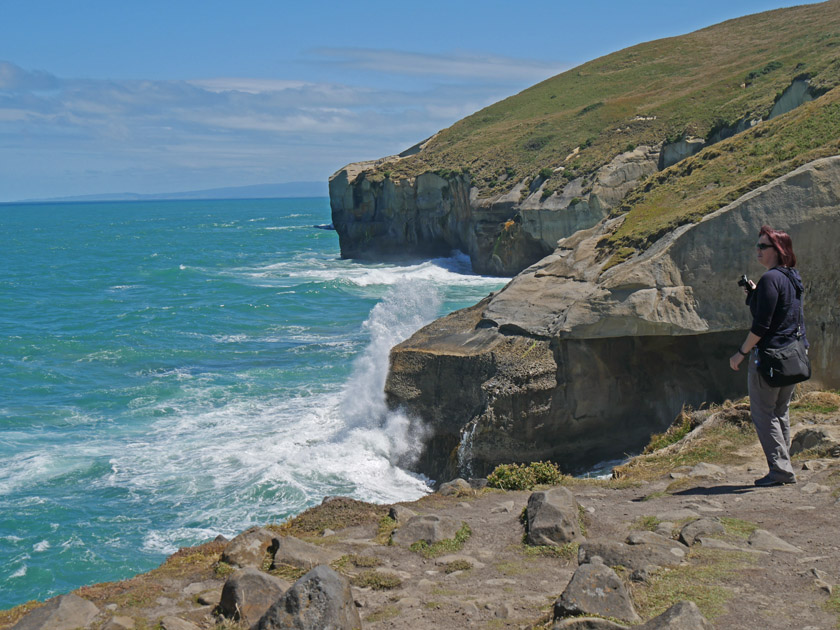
column 171, row 371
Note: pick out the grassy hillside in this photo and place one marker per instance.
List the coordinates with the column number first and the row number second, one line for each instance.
column 692, row 85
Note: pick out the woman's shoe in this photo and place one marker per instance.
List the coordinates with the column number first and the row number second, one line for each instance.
column 766, row 481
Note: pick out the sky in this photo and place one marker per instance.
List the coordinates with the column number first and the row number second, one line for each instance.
column 114, row 96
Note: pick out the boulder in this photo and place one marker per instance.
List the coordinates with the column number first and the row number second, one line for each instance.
column 763, row 540
column 298, row 553
column 249, row 593
column 401, row 514
column 455, row 487
column 67, row 612
column 320, row 600
column 683, row 615
column 690, row 531
column 119, row 623
column 595, row 589
column 176, row 623
column 553, row 517
column 635, row 557
column 248, row 549
column 431, row 528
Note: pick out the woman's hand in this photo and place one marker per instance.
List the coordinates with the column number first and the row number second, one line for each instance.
column 735, row 360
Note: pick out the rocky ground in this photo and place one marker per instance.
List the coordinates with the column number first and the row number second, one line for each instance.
column 756, row 557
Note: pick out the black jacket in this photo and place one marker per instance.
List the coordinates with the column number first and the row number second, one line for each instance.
column 776, row 307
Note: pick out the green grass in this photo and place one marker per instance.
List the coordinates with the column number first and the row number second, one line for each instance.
column 646, row 523
column 567, row 552
column 689, row 84
column 708, row 581
column 386, row 613
column 376, row 580
column 450, row 545
column 738, row 528
column 832, row 605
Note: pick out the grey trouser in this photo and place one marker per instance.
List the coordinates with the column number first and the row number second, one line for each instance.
column 769, row 411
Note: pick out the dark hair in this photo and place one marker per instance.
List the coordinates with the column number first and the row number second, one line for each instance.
column 781, row 243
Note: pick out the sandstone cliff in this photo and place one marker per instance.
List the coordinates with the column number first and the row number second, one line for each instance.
column 575, row 363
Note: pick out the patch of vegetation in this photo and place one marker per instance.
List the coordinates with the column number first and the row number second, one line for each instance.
column 770, row 67
column 524, row 476
column 832, row 604
column 591, row 108
column 385, row 528
column 738, row 528
column 443, row 547
column 457, row 565
column 681, row 427
column 337, row 513
column 287, row 572
column 718, row 444
column 546, row 172
column 11, row 616
column 705, row 581
column 376, row 580
column 223, row 569
column 817, row 402
column 646, row 523
column 567, row 552
column 385, row 613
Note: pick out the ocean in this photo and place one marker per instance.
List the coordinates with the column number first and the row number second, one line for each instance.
column 175, row 370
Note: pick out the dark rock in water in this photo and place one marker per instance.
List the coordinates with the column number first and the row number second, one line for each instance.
column 553, row 517
column 249, row 593
column 595, row 589
column 326, row 226
column 67, row 612
column 320, row 600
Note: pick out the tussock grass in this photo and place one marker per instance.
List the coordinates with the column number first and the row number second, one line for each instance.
column 376, row 580
column 707, row 581
column 337, row 513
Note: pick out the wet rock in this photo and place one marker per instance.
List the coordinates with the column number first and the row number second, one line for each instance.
column 690, row 532
column 430, row 527
column 320, row 599
column 67, row 612
column 249, row 593
column 299, row 553
column 553, row 518
column 248, row 549
column 595, row 589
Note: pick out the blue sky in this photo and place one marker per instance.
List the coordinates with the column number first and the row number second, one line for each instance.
column 148, row 97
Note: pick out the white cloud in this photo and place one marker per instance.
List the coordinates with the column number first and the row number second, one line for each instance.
column 62, row 136
column 456, row 64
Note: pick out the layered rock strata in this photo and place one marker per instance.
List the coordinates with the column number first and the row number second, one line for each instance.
column 577, row 364
column 431, row 215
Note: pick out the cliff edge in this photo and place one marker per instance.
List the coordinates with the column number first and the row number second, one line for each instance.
column 578, row 361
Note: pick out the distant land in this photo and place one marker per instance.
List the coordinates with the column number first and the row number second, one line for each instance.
column 258, row 191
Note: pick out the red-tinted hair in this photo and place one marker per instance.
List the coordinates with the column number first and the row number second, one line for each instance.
column 781, row 243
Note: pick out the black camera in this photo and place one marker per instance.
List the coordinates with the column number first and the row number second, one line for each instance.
column 745, row 282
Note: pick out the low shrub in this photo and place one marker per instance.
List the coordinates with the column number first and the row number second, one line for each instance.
column 524, row 476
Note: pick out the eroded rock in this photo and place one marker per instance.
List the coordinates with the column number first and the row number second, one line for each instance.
column 553, row 517
column 249, row 593
column 248, row 549
column 67, row 612
column 319, row 600
column 595, row 589
column 431, row 528
column 299, row 553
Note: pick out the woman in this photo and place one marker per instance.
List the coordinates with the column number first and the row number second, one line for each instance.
column 776, row 306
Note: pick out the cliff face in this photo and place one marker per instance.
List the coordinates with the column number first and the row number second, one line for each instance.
column 431, row 214
column 576, row 364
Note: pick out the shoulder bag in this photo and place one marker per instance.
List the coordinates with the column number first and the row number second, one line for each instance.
column 789, row 364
